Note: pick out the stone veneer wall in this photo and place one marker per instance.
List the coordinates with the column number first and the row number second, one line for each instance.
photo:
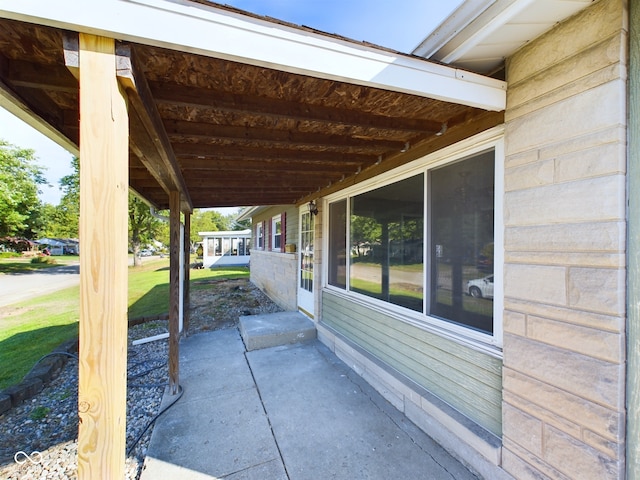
column 565, row 197
column 275, row 274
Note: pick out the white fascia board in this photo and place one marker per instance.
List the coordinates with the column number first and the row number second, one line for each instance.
column 249, row 212
column 205, row 30
column 451, row 26
column 496, row 16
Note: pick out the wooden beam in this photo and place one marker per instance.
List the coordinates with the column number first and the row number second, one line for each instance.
column 178, row 129
column 187, row 272
column 225, row 152
column 141, row 100
column 174, row 291
column 104, row 152
column 318, row 163
column 149, row 140
column 183, row 95
column 50, row 77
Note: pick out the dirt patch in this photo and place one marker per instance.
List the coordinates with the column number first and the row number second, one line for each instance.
column 217, row 304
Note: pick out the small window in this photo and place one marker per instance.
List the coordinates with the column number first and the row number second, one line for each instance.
column 260, row 235
column 276, row 233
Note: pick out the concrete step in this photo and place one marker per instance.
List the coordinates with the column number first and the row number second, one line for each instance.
column 274, row 329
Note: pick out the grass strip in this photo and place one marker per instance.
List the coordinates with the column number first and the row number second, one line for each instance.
column 33, row 328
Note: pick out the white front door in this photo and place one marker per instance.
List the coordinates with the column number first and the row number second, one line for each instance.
column 305, row 265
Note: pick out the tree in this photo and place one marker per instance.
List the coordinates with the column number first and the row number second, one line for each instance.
column 61, row 221
column 20, row 177
column 143, row 227
column 207, row 221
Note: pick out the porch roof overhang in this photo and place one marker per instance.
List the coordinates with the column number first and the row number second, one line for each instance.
column 230, row 109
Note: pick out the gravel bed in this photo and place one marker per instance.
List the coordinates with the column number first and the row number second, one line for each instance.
column 46, row 426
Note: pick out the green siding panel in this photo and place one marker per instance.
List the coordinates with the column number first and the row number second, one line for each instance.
column 466, row 379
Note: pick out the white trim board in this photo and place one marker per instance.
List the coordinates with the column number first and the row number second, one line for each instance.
column 206, row 30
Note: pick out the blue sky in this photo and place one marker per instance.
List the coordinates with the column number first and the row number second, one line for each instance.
column 397, row 24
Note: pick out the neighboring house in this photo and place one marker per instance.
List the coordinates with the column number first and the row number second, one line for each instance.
column 526, row 378
column 61, row 246
column 400, row 182
column 226, row 248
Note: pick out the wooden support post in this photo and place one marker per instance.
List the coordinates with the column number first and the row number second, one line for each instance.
column 104, row 187
column 174, row 291
column 187, row 270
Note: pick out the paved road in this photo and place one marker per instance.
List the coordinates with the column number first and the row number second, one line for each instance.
column 23, row 286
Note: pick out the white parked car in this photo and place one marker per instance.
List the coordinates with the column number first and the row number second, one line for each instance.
column 481, row 287
column 145, row 253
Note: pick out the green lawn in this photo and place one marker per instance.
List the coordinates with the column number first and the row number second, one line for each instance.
column 21, row 265
column 31, row 329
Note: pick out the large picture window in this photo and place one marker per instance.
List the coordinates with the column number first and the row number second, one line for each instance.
column 424, row 243
column 386, row 243
column 461, row 221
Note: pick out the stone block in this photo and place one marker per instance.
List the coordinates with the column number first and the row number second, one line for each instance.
column 43, row 372
column 547, row 417
column 579, row 259
column 590, row 27
column 530, row 175
column 23, row 391
column 577, row 459
column 525, row 466
column 607, row 422
column 523, row 429
column 592, row 110
column 593, row 162
column 5, row 403
column 597, row 289
column 544, row 284
column 590, row 200
column 607, row 346
column 600, row 321
column 611, row 74
column 608, row 236
column 32, row 386
column 514, row 322
column 582, row 143
column 592, row 379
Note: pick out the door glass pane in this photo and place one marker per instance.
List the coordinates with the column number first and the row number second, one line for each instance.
column 306, row 252
column 462, row 211
column 387, row 241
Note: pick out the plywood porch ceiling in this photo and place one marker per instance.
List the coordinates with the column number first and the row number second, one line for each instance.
column 235, row 134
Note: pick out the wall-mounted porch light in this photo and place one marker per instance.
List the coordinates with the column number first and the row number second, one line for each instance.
column 313, row 209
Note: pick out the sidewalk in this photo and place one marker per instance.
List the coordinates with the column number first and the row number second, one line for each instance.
column 291, row 412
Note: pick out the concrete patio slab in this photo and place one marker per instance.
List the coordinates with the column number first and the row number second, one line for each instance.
column 303, row 415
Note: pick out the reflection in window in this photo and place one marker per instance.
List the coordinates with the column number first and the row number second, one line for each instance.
column 462, row 211
column 338, row 244
column 387, row 241
column 387, row 253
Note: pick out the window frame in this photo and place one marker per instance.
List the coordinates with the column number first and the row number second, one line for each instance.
column 275, row 220
column 492, row 139
column 260, row 236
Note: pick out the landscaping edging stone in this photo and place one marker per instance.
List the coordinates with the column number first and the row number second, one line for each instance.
column 34, row 381
column 48, row 368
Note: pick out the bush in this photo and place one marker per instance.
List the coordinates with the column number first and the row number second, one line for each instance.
column 47, row 260
column 9, row 255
